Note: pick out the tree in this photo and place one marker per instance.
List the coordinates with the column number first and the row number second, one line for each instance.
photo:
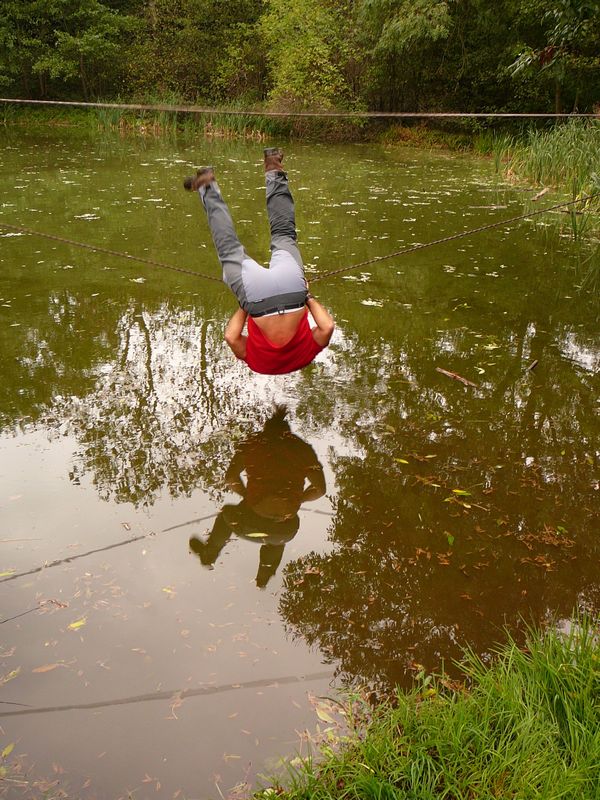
column 400, row 36
column 568, row 53
column 307, row 53
column 62, row 43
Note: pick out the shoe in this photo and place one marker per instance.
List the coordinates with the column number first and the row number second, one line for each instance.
column 273, row 159
column 202, row 178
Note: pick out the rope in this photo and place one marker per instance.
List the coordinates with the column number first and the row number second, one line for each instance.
column 151, row 262
column 346, row 114
column 451, row 238
column 323, row 275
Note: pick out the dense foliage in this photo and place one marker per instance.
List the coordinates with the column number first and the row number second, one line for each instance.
column 468, row 55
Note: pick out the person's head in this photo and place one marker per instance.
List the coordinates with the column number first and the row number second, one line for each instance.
column 277, row 422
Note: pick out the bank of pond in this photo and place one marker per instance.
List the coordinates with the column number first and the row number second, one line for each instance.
column 524, row 724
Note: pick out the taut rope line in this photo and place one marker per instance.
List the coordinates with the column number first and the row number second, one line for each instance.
column 451, row 238
column 96, row 249
column 323, row 275
column 338, row 114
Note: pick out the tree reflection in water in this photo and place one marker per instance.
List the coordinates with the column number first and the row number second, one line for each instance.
column 165, row 415
column 282, row 471
column 415, row 571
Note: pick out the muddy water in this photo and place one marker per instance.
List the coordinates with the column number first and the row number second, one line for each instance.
column 181, row 565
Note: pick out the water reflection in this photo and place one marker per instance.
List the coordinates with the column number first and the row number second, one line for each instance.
column 274, row 471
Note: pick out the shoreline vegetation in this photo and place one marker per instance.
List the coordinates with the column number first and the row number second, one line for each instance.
column 524, row 725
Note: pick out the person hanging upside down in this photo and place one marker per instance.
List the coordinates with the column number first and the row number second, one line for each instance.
column 274, row 301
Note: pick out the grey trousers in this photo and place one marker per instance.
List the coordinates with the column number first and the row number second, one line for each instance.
column 260, row 290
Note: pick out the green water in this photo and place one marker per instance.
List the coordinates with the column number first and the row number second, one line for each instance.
column 152, row 642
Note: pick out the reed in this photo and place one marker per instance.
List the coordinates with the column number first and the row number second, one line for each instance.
column 525, row 725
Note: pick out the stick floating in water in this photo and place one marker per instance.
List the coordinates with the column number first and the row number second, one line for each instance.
column 456, row 377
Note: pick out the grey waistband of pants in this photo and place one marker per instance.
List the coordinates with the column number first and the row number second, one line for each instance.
column 281, row 303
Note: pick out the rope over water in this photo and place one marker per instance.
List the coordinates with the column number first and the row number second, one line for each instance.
column 313, row 278
column 335, row 114
column 454, row 236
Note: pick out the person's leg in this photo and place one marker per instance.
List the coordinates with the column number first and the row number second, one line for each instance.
column 230, row 250
column 209, row 551
column 280, row 210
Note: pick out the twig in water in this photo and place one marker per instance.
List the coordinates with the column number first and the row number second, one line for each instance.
column 456, row 377
column 540, row 194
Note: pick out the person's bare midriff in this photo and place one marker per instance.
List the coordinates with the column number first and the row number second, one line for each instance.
column 280, row 328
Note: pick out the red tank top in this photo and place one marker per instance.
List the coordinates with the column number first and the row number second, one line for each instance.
column 271, row 359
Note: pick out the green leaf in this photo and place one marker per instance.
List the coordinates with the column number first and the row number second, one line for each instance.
column 401, row 460
column 461, row 492
column 323, row 715
column 8, row 750
column 9, row 676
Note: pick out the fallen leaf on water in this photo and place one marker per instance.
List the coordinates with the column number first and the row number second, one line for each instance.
column 78, row 624
column 461, row 492
column 6, row 572
column 168, row 590
column 257, row 535
column 46, row 668
column 323, row 715
column 8, row 750
column 9, row 676
column 401, row 460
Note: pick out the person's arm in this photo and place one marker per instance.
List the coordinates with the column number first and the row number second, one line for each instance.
column 233, row 333
column 316, row 483
column 233, row 476
column 325, row 324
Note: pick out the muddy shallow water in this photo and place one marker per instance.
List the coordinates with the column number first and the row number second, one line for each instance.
column 181, row 565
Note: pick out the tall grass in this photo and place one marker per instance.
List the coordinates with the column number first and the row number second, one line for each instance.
column 525, row 726
column 565, row 158
column 228, row 123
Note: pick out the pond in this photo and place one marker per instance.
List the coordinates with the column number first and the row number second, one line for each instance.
column 191, row 552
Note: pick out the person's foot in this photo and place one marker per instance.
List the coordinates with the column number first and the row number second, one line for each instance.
column 202, row 178
column 273, row 159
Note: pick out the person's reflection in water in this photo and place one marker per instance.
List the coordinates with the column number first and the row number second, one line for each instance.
column 282, row 472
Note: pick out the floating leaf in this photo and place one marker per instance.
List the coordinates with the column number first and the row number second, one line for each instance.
column 257, row 535
column 46, row 667
column 78, row 624
column 461, row 492
column 401, row 460
column 8, row 750
column 323, row 715
column 10, row 676
column 450, row 539
column 7, row 572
